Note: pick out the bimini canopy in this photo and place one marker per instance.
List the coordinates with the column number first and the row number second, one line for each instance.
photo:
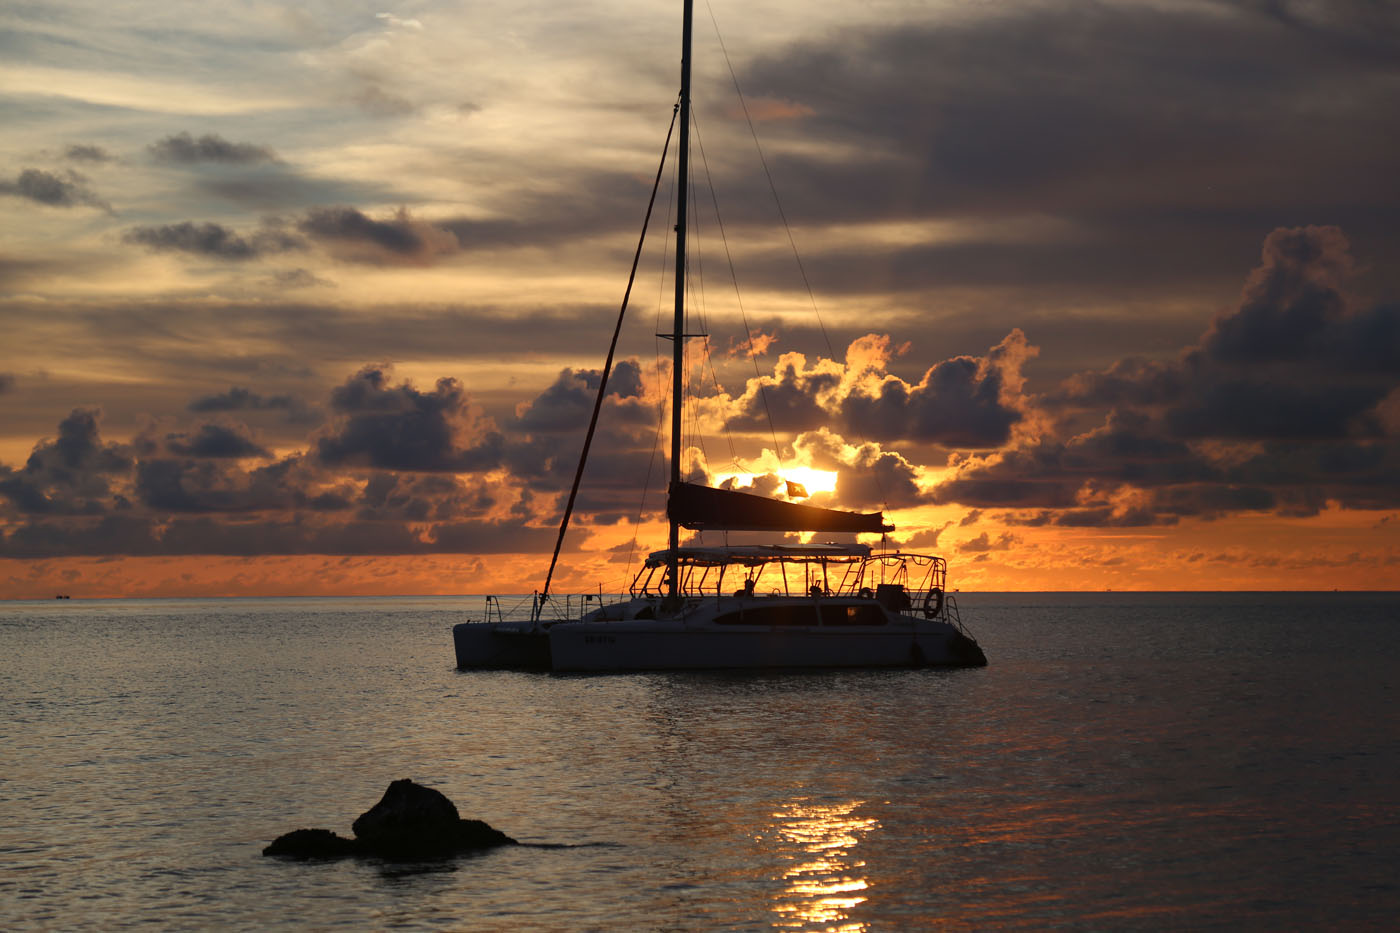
column 752, row 555
column 701, row 508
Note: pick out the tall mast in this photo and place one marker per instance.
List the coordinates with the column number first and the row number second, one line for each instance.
column 678, row 329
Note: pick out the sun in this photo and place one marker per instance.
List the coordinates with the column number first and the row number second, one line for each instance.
column 814, row 481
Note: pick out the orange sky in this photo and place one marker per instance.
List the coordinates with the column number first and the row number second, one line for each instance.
column 312, row 300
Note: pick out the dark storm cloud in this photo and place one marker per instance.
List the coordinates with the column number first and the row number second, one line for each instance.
column 1113, row 100
column 67, row 190
column 568, row 403
column 1281, row 407
column 383, row 426
column 172, row 485
column 211, row 147
column 1295, row 359
column 789, row 398
column 71, row 474
column 958, row 404
column 421, row 498
column 1165, row 139
column 216, row 441
column 194, row 492
column 214, row 240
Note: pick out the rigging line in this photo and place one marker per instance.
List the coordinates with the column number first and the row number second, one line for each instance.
column 695, row 285
column 697, row 282
column 771, row 186
column 660, row 382
column 607, row 366
column 739, row 300
column 704, row 328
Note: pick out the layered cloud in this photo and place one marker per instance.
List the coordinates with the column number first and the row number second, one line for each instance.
column 1286, row 404
column 1020, row 222
column 345, row 232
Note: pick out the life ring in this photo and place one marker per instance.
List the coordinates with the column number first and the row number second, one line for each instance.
column 933, row 602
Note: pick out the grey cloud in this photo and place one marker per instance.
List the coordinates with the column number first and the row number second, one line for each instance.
column 298, row 278
column 421, row 498
column 1264, row 408
column 400, row 428
column 359, row 237
column 1163, row 137
column 567, row 404
column 789, row 398
column 69, row 190
column 216, row 483
column 215, row 441
column 211, row 147
column 214, row 240
column 1126, row 105
column 71, row 474
column 1290, row 301
column 1278, row 408
column 240, row 399
column 1295, row 359
column 878, row 479
column 87, row 153
column 958, row 404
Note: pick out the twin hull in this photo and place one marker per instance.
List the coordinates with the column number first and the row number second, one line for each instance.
column 697, row 644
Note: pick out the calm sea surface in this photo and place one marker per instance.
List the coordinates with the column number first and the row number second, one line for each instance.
column 1127, row 761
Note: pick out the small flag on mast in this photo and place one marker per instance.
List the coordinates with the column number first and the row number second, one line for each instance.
column 796, row 490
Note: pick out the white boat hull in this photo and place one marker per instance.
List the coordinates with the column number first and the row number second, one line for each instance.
column 663, row 645
column 719, row 634
column 500, row 646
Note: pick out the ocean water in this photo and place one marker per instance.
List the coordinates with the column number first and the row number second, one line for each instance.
column 1126, row 761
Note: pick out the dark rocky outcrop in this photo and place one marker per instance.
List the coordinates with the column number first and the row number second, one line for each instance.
column 312, row 843
column 410, row 822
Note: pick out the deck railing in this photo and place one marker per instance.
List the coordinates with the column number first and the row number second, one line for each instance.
column 530, row 608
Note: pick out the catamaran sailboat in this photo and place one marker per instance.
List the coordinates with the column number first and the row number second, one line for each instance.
column 740, row 606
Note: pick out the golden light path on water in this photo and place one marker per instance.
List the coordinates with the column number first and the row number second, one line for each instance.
column 826, row 881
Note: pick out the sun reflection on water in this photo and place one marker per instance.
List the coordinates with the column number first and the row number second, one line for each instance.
column 825, row 881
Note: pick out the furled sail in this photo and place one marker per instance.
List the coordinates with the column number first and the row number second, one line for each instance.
column 701, row 508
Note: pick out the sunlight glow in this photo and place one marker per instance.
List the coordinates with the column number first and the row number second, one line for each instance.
column 814, row 481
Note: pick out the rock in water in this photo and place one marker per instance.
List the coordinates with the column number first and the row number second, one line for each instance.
column 311, row 843
column 410, row 822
